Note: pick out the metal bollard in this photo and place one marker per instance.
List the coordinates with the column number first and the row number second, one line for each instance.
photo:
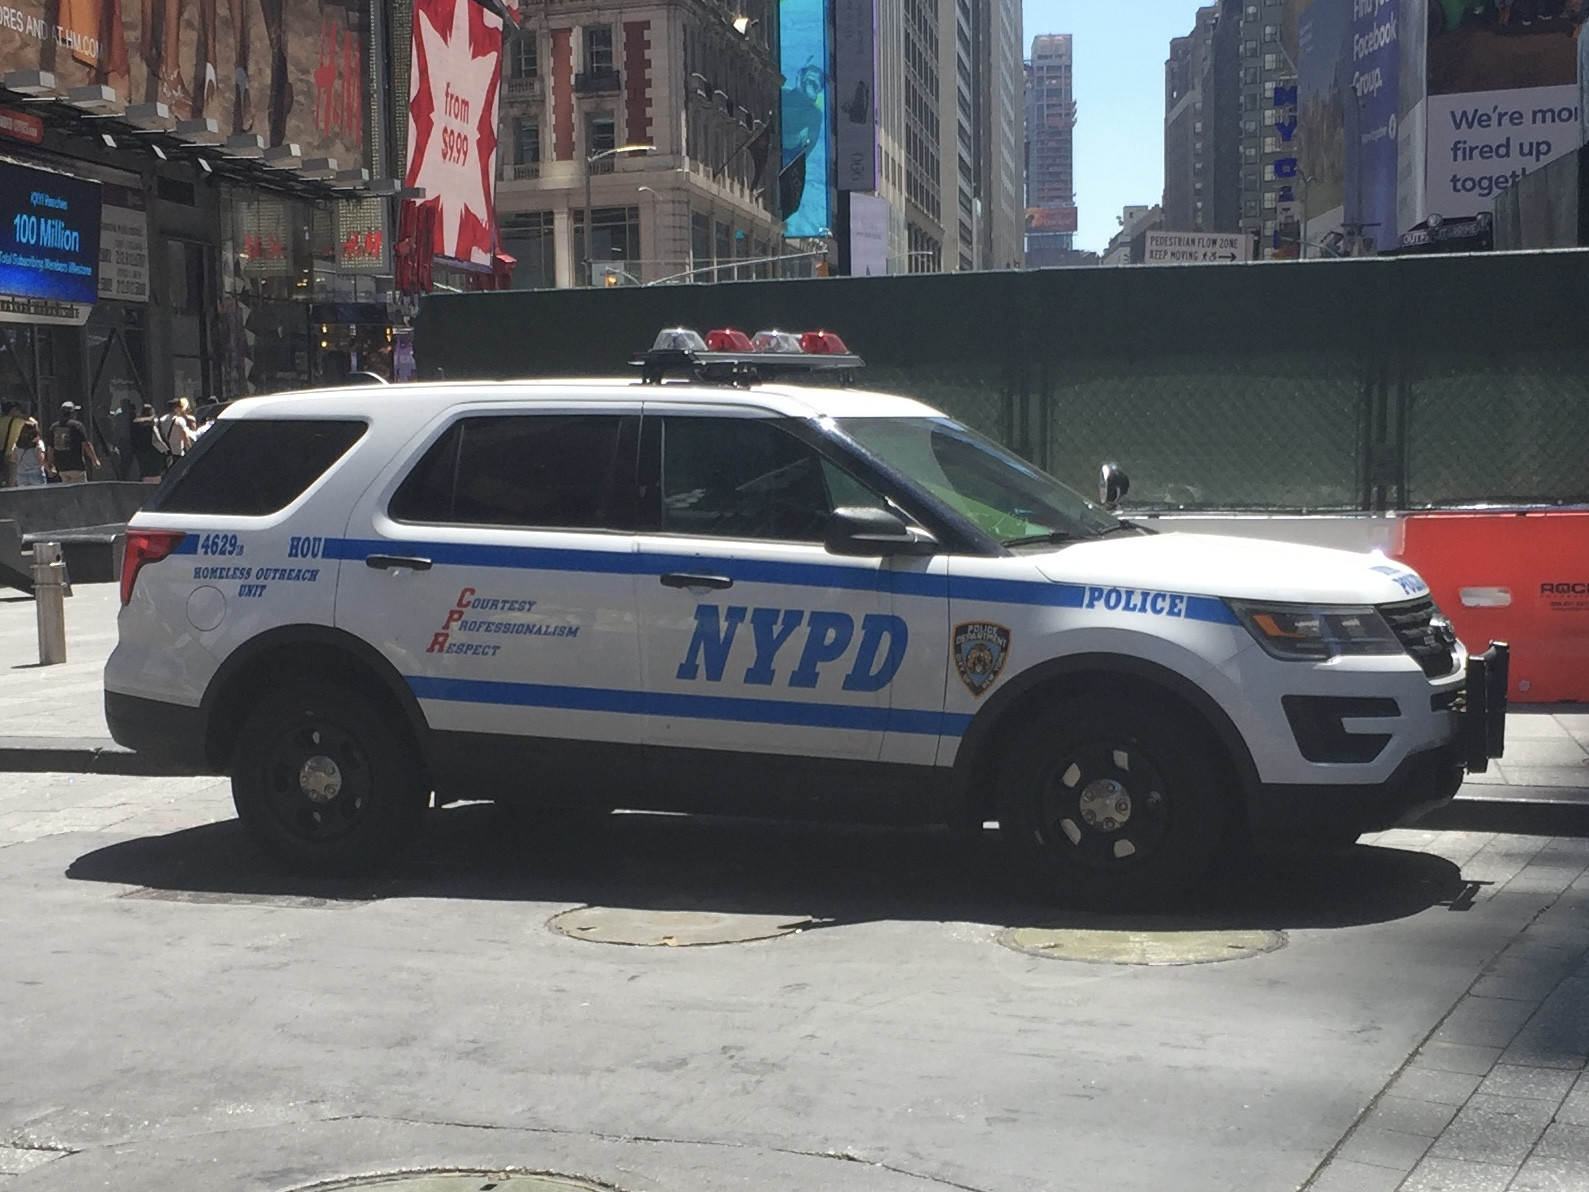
column 49, row 596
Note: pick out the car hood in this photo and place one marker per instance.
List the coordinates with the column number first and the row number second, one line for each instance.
column 1242, row 568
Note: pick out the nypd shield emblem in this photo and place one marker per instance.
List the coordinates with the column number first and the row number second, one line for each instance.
column 980, row 649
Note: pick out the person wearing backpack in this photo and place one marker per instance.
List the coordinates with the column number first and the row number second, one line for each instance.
column 172, row 434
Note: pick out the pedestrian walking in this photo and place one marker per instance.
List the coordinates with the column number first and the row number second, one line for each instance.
column 121, row 437
column 173, row 434
column 146, row 453
column 25, row 461
column 12, row 420
column 69, row 453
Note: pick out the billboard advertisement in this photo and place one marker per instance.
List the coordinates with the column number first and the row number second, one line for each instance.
column 804, row 179
column 1051, row 219
column 49, row 245
column 855, row 85
column 453, row 96
column 290, row 70
column 868, row 236
column 1503, row 98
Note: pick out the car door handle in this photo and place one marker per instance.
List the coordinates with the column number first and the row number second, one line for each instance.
column 388, row 562
column 678, row 579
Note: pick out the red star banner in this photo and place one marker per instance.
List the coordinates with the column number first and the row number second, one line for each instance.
column 453, row 94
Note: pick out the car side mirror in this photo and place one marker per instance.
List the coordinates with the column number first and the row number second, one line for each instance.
column 862, row 530
column 1113, row 485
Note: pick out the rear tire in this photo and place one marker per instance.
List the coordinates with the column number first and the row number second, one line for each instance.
column 323, row 784
column 1114, row 804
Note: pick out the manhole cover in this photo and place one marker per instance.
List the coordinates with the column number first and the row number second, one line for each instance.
column 1103, row 946
column 672, row 929
column 461, row 1181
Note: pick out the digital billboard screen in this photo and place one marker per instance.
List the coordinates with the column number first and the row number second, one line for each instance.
column 49, row 235
column 803, row 181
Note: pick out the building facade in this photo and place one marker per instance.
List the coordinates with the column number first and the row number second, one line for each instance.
column 660, row 119
column 220, row 231
column 1189, row 86
column 1050, row 151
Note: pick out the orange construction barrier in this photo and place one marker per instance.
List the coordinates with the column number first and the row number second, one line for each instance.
column 1518, row 577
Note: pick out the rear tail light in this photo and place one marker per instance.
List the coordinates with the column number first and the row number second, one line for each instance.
column 823, row 343
column 727, row 339
column 145, row 546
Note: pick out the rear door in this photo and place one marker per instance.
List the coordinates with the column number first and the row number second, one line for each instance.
column 496, row 574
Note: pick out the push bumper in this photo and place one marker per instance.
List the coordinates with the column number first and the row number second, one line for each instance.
column 1281, row 816
column 1484, row 707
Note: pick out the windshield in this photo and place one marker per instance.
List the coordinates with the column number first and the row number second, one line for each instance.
column 1002, row 493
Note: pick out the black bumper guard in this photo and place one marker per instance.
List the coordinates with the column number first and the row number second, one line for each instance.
column 1484, row 711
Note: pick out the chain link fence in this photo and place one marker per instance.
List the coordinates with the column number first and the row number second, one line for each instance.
column 1355, row 385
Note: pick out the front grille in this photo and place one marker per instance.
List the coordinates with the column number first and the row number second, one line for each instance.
column 1432, row 644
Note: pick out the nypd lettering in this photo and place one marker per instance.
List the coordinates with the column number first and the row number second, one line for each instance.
column 981, row 649
column 1407, row 581
column 825, row 638
column 464, row 618
column 1136, row 600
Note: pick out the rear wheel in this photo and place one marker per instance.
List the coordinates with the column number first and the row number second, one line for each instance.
column 1112, row 804
column 323, row 783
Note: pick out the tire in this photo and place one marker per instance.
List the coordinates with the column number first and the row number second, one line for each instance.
column 1112, row 804
column 323, row 784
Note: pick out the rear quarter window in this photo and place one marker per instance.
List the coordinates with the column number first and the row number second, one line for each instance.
column 254, row 466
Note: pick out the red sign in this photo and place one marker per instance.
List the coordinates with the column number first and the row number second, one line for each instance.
column 21, row 126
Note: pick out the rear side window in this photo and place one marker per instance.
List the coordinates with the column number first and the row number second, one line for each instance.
column 254, row 466
column 553, row 471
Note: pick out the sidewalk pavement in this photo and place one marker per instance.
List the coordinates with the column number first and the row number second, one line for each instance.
column 52, row 719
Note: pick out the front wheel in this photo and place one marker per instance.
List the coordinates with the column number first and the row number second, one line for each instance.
column 1112, row 804
column 323, row 784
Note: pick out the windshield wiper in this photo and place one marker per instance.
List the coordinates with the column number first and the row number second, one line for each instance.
column 1045, row 538
column 1123, row 525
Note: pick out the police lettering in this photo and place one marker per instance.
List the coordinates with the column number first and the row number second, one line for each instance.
column 1137, row 600
column 878, row 651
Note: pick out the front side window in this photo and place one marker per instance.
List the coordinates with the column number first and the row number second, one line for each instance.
column 552, row 471
column 1003, row 494
column 749, row 478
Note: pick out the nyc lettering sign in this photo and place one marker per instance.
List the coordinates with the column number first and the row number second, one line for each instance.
column 874, row 649
column 1285, row 125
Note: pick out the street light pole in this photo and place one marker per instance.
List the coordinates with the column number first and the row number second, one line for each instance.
column 591, row 160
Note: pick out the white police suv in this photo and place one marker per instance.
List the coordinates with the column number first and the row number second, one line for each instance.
column 759, row 600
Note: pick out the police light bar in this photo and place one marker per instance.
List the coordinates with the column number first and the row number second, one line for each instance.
column 728, row 356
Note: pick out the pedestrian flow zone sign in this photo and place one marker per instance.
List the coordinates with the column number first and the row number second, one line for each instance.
column 1196, row 248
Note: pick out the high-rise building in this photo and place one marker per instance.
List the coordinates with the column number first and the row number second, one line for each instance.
column 948, row 93
column 1267, row 128
column 1189, row 127
column 1050, row 151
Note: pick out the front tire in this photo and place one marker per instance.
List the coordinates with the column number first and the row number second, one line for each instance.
column 323, row 784
column 1113, row 803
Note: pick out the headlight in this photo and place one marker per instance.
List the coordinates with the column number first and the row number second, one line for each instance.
column 1311, row 633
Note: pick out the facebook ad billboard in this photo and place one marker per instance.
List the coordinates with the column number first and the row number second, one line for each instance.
column 49, row 243
column 1373, row 109
column 804, row 179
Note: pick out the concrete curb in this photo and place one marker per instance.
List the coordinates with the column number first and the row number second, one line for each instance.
column 1517, row 810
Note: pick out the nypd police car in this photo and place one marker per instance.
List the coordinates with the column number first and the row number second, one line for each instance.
column 762, row 600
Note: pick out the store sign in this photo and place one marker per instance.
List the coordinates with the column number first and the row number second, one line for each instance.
column 21, row 126
column 49, row 245
column 362, row 243
column 263, row 238
column 123, row 245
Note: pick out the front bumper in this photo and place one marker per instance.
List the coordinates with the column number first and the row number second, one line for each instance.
column 1281, row 815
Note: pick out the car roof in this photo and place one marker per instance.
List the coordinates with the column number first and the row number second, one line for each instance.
column 363, row 401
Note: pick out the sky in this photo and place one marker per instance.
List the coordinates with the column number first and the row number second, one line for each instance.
column 1120, row 48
